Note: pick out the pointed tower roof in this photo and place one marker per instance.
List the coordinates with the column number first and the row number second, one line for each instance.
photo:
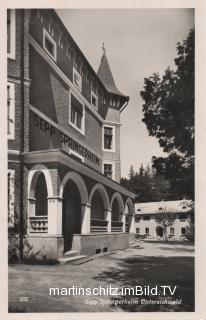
column 105, row 74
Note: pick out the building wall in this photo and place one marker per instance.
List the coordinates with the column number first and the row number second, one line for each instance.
column 41, row 90
column 152, row 224
column 50, row 94
column 18, row 74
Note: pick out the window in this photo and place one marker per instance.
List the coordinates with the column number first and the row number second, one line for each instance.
column 183, row 216
column 108, row 170
column 146, row 218
column 159, row 218
column 77, row 79
column 108, row 138
column 76, row 117
column 146, row 230
column 11, row 190
column 137, row 218
column 172, row 231
column 171, row 217
column 137, row 230
column 10, row 110
column 11, row 33
column 49, row 45
column 183, row 231
column 94, row 100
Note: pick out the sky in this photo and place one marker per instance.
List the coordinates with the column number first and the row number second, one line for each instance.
column 138, row 42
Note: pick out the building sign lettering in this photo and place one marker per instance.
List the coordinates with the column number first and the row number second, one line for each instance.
column 64, row 139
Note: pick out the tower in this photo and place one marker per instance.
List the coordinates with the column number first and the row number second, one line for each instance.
column 111, row 128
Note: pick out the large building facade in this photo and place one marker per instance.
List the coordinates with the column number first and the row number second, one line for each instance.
column 63, row 143
column 163, row 220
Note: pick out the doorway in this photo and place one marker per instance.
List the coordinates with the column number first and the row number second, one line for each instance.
column 159, row 231
column 71, row 222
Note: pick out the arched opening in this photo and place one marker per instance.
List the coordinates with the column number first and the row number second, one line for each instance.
column 117, row 208
column 41, row 207
column 159, row 231
column 39, row 189
column 129, row 212
column 99, row 204
column 71, row 223
column 115, row 211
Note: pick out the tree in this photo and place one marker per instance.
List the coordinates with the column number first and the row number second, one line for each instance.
column 148, row 185
column 168, row 112
column 131, row 172
column 165, row 220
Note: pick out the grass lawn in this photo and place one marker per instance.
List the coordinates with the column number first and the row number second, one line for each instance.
column 123, row 268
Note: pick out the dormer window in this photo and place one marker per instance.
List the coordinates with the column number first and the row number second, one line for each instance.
column 49, row 45
column 76, row 113
column 94, row 100
column 77, row 79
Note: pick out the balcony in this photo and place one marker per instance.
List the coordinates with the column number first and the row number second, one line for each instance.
column 117, row 226
column 98, row 225
column 38, row 224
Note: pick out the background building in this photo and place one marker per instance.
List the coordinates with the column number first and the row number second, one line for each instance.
column 164, row 219
column 63, row 143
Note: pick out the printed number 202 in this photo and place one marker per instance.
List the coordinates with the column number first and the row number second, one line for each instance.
column 24, row 299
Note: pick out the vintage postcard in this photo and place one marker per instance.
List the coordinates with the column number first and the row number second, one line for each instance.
column 103, row 137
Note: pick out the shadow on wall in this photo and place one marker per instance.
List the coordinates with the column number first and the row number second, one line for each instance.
column 30, row 256
column 152, row 271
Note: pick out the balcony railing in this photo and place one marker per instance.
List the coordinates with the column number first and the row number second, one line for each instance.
column 38, row 224
column 117, row 226
column 98, row 225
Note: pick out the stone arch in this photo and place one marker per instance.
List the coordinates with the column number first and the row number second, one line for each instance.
column 130, row 206
column 128, row 214
column 99, row 187
column 117, row 207
column 77, row 179
column 118, row 196
column 33, row 177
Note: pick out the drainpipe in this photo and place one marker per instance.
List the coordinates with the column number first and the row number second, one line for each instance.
column 21, row 217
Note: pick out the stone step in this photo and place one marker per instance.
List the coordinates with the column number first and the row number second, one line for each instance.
column 75, row 259
column 71, row 253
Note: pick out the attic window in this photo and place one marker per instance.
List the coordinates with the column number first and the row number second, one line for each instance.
column 184, row 207
column 49, row 45
column 94, row 100
column 77, row 79
column 160, row 208
column 138, row 209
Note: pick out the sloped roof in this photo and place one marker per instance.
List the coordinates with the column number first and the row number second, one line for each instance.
column 166, row 206
column 105, row 74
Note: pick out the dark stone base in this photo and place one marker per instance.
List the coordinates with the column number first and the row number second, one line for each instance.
column 44, row 246
column 91, row 244
column 51, row 247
